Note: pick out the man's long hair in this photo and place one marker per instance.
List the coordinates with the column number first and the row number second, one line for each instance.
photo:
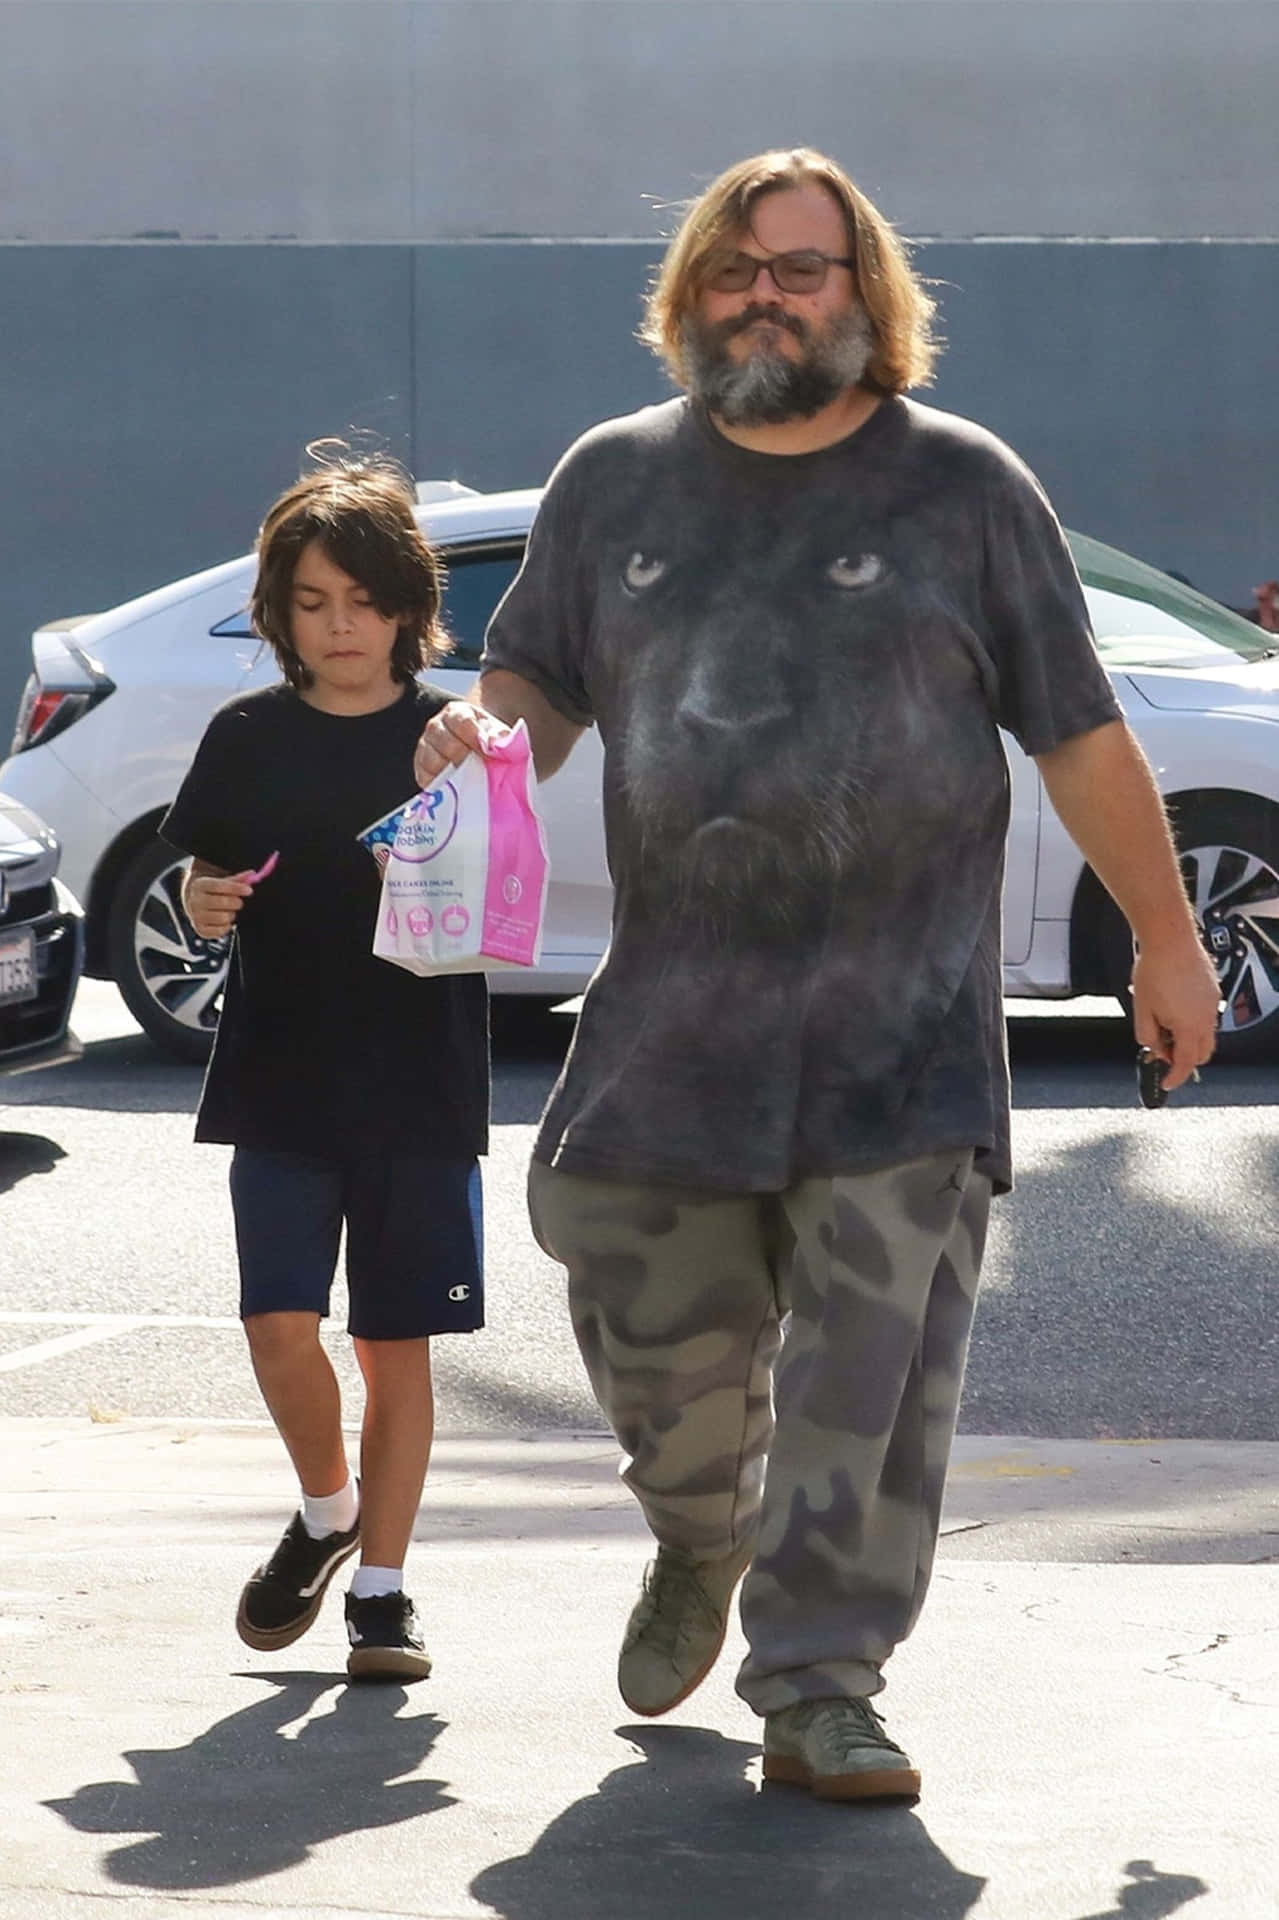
column 899, row 309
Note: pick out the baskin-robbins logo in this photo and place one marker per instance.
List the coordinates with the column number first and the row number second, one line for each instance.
column 429, row 824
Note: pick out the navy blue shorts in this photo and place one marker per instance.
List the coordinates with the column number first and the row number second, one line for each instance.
column 414, row 1239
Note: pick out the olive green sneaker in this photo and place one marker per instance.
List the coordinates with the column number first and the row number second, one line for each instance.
column 839, row 1750
column 676, row 1628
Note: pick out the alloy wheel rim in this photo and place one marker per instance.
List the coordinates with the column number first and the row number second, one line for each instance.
column 1235, row 895
column 183, row 974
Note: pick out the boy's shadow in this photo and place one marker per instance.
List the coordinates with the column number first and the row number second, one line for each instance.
column 682, row 1830
column 247, row 1799
column 25, row 1153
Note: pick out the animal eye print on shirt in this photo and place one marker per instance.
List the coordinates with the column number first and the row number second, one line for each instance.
column 798, row 668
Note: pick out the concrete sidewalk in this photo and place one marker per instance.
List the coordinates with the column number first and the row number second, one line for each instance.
column 1093, row 1697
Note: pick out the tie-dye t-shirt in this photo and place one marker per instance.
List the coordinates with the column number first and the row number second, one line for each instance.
column 798, row 666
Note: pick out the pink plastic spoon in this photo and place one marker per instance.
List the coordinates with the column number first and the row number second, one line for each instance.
column 265, row 870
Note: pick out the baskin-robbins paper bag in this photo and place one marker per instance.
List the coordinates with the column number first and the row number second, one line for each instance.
column 464, row 866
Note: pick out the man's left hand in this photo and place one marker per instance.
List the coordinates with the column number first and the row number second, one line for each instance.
column 1176, row 997
column 1106, row 797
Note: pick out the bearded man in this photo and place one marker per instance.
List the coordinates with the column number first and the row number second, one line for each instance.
column 800, row 607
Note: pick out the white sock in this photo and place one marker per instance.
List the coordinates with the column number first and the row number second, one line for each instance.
column 331, row 1512
column 368, row 1582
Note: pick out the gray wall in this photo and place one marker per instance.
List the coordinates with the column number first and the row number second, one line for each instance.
column 355, row 120
column 232, row 226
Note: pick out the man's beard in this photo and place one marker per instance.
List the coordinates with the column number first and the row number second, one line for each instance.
column 768, row 387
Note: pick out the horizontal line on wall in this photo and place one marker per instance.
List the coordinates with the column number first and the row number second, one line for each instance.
column 288, row 242
column 1095, row 240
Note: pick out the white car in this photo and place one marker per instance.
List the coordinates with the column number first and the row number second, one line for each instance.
column 116, row 703
column 41, row 945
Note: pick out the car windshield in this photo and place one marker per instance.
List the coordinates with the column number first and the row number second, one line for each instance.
column 1144, row 618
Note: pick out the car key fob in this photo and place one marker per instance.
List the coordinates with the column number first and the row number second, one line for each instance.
column 1150, row 1078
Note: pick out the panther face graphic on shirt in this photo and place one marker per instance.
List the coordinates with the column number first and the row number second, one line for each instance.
column 799, row 666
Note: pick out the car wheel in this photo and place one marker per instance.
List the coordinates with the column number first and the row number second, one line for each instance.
column 1230, row 863
column 170, row 980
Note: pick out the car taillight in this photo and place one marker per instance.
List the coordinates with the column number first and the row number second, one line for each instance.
column 60, row 692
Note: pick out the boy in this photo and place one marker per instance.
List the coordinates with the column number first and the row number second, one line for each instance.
column 351, row 1090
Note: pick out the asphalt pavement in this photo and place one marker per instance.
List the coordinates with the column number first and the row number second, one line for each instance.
column 1093, row 1698
column 1129, row 1285
column 1092, row 1694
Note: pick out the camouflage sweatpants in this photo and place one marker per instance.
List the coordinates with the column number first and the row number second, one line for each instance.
column 678, row 1298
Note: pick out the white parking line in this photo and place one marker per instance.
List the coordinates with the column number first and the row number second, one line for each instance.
column 14, row 1317
column 64, row 1343
column 88, row 1329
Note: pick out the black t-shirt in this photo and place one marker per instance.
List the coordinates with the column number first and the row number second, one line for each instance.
column 322, row 1048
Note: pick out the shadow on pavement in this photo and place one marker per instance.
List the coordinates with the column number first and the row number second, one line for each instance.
column 1057, row 1063
column 513, row 1406
column 1080, row 1061
column 24, row 1153
column 246, row 1799
column 524, row 1027
column 681, row 1830
column 125, row 1074
column 1151, row 1895
column 1123, row 1299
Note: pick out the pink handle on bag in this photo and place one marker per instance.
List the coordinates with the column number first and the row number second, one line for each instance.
column 516, row 880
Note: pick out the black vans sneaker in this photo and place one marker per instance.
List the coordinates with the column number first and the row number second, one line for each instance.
column 386, row 1638
column 283, row 1597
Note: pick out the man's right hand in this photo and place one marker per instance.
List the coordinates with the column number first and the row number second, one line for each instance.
column 212, row 901
column 463, row 726
column 456, row 730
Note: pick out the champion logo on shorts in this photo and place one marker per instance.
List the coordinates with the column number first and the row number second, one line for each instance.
column 459, row 1293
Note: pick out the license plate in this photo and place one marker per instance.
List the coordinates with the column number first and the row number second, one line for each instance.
column 18, row 966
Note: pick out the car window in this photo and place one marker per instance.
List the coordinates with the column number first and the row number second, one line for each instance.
column 237, row 626
column 476, row 582
column 477, row 578
column 1144, row 618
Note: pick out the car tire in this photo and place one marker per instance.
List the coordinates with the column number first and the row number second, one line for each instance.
column 1229, row 846
column 170, row 980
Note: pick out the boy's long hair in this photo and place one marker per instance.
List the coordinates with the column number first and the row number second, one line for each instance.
column 360, row 507
column 897, row 304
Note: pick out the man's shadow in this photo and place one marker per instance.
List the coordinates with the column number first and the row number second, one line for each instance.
column 681, row 1830
column 247, row 1799
column 1151, row 1895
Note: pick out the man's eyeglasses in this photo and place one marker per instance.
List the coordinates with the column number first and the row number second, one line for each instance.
column 803, row 272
